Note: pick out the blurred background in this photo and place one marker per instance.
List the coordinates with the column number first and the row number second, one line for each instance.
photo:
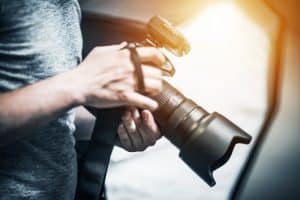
column 226, row 71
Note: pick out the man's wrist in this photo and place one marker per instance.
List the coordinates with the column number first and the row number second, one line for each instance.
column 73, row 87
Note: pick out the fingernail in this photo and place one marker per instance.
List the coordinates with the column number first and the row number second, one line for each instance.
column 135, row 113
column 132, row 126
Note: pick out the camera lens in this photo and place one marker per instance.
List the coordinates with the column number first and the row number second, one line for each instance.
column 177, row 115
column 205, row 140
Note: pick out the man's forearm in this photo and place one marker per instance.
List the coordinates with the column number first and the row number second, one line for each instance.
column 104, row 79
column 36, row 105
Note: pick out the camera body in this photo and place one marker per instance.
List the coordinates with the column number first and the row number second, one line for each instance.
column 206, row 140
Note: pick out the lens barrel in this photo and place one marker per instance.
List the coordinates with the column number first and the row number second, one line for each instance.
column 205, row 140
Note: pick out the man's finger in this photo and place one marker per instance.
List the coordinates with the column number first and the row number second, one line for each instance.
column 121, row 98
column 120, row 86
column 138, row 100
column 103, row 49
column 135, row 113
column 143, row 131
column 128, row 122
column 153, row 87
column 149, row 122
column 152, row 72
column 133, row 133
column 152, row 55
column 124, row 138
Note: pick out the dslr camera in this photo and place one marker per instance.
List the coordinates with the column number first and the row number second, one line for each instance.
column 205, row 140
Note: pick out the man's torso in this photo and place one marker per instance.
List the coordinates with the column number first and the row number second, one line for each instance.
column 39, row 39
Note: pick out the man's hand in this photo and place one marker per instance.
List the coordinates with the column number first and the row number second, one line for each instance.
column 138, row 130
column 106, row 78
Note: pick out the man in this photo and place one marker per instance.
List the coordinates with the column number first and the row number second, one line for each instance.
column 40, row 45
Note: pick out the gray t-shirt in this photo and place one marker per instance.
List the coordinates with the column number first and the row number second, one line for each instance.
column 39, row 39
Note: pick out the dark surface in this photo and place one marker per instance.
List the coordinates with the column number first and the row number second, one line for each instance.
column 107, row 30
column 94, row 162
